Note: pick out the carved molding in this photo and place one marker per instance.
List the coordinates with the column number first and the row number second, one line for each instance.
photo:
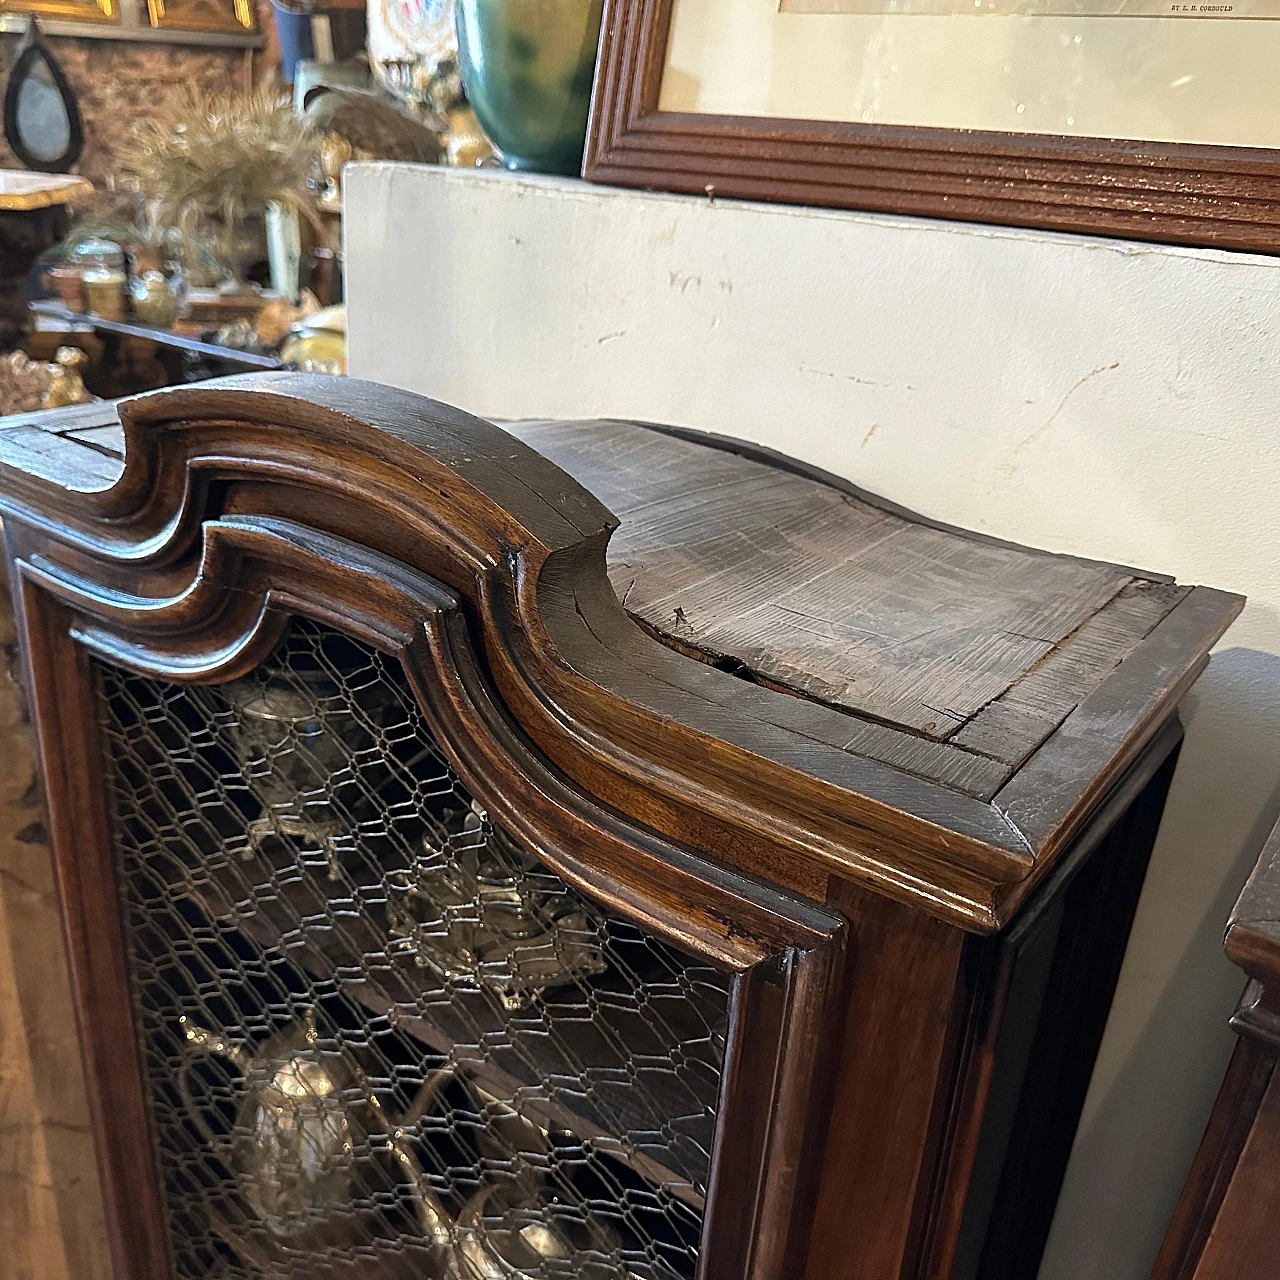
column 647, row 730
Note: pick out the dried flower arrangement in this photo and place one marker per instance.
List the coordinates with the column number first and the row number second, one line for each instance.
column 224, row 156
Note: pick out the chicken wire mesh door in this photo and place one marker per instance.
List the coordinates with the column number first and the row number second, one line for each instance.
column 379, row 1039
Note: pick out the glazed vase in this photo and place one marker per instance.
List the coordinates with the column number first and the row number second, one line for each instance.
column 527, row 67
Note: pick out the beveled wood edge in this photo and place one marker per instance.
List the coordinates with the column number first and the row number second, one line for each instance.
column 1226, row 197
column 1107, row 731
column 1253, row 930
column 472, row 506
column 140, row 630
column 1245, row 1085
column 273, row 569
column 56, row 676
column 1256, row 1018
column 192, row 635
column 795, row 1133
column 784, row 1045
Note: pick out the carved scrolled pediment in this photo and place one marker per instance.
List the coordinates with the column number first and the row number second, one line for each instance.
column 776, row 774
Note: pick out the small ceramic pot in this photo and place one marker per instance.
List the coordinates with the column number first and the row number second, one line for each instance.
column 527, row 66
column 154, row 301
column 70, row 286
column 105, row 286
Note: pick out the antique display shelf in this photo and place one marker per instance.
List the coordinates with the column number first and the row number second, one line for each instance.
column 571, row 849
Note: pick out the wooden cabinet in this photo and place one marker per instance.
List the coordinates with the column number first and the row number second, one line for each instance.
column 1227, row 1222
column 576, row 849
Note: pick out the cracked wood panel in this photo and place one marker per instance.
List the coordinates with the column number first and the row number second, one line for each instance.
column 1013, row 725
column 973, row 774
column 952, row 656
column 948, row 656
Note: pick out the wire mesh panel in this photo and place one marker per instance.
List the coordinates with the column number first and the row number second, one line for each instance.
column 379, row 1039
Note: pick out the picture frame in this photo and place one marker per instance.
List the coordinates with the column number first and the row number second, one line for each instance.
column 86, row 11
column 1194, row 193
column 202, row 15
column 42, row 123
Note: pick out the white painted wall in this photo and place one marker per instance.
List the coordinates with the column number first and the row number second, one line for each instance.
column 1089, row 396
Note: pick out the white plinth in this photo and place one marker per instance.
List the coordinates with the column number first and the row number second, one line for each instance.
column 1091, row 396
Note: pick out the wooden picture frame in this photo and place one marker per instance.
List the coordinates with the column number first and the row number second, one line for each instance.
column 95, row 11
column 1188, row 193
column 202, row 15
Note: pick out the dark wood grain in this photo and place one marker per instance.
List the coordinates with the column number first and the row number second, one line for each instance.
column 765, row 1172
column 924, row 934
column 865, row 817
column 1046, row 795
column 803, row 631
column 50, row 1203
column 1013, row 725
column 877, row 772
column 818, row 592
column 1245, row 1237
column 1173, row 192
column 900, row 1035
column 786, row 623
column 57, row 679
column 1232, row 1119
column 1227, row 1220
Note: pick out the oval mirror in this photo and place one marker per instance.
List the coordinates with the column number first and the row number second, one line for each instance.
column 41, row 118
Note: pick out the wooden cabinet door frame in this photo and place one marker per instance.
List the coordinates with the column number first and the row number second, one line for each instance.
column 219, row 614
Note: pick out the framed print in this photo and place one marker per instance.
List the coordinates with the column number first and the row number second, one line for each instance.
column 1152, row 119
column 67, row 10
column 202, row 15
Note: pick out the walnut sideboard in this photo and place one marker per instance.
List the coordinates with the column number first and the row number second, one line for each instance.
column 577, row 850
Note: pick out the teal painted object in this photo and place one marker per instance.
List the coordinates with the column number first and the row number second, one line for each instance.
column 527, row 66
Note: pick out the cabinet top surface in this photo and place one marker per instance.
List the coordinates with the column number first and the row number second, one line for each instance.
column 1016, row 681
column 951, row 655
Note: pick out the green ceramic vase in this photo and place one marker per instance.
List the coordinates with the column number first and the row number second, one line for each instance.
column 527, row 67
